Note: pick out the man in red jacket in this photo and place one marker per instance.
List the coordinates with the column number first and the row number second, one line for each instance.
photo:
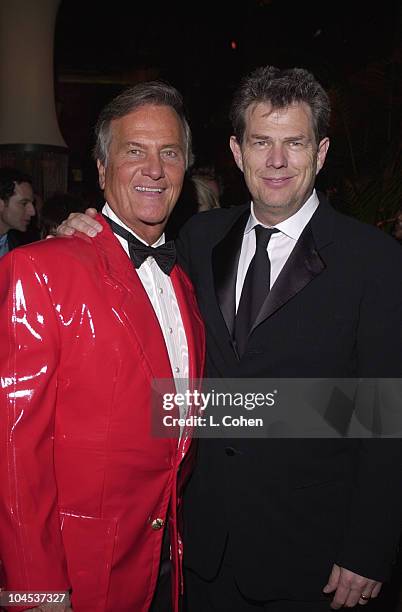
column 86, row 491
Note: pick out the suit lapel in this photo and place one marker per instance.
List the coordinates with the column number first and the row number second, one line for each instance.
column 129, row 301
column 129, row 295
column 139, row 313
column 225, row 260
column 303, row 264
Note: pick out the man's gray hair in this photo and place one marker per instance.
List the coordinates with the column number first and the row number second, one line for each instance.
column 158, row 93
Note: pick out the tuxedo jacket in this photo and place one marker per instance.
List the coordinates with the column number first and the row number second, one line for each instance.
column 289, row 508
column 16, row 238
column 85, row 487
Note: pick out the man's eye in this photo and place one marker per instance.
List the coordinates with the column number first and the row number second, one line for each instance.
column 295, row 144
column 170, row 153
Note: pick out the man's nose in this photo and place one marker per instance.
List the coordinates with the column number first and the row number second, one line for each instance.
column 153, row 167
column 277, row 156
column 30, row 208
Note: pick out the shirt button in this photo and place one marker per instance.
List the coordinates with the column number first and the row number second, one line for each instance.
column 177, row 370
column 170, row 330
column 160, row 290
column 157, row 524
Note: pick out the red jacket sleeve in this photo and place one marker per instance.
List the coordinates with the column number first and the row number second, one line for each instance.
column 31, row 546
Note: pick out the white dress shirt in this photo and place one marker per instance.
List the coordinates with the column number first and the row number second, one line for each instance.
column 280, row 245
column 160, row 291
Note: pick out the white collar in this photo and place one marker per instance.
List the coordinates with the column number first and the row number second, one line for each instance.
column 109, row 212
column 293, row 225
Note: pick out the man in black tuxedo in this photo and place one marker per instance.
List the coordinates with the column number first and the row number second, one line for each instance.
column 291, row 525
column 269, row 523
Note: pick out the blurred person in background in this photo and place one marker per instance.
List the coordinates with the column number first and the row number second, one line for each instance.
column 397, row 226
column 206, row 195
column 210, row 176
column 16, row 208
column 197, row 195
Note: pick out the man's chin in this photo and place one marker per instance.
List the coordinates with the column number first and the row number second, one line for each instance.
column 272, row 206
column 156, row 222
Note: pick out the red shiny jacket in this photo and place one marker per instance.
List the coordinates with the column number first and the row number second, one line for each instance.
column 82, row 478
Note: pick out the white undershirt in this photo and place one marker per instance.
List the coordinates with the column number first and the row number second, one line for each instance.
column 280, row 245
column 160, row 291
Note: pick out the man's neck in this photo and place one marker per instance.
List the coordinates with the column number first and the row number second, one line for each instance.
column 4, row 229
column 274, row 216
column 147, row 234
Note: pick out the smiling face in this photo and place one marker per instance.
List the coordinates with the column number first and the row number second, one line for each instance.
column 16, row 212
column 280, row 159
column 144, row 172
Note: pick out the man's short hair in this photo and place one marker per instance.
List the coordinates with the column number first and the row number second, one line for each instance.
column 9, row 177
column 281, row 88
column 158, row 93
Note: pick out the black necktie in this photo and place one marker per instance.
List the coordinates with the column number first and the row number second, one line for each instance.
column 255, row 287
column 164, row 255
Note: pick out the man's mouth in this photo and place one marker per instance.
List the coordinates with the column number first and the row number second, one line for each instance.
column 277, row 181
column 148, row 189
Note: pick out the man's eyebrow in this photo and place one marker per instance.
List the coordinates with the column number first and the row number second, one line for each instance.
column 297, row 137
column 174, row 145
column 133, row 143
column 285, row 138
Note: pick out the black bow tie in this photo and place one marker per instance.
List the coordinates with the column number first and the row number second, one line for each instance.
column 164, row 255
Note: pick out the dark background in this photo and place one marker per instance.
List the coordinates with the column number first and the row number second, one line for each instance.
column 203, row 48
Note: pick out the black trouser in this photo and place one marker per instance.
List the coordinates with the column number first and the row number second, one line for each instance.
column 162, row 601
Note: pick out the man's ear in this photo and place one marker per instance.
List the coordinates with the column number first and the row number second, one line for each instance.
column 101, row 174
column 322, row 153
column 235, row 147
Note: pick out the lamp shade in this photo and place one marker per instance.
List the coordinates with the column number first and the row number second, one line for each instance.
column 27, row 105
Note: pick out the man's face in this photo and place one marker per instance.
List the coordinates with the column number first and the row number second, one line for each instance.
column 16, row 212
column 279, row 158
column 145, row 168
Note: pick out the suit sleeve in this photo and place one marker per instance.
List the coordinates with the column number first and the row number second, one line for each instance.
column 183, row 243
column 371, row 538
column 30, row 537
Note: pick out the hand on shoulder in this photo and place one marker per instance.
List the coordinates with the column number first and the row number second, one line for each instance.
column 82, row 222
